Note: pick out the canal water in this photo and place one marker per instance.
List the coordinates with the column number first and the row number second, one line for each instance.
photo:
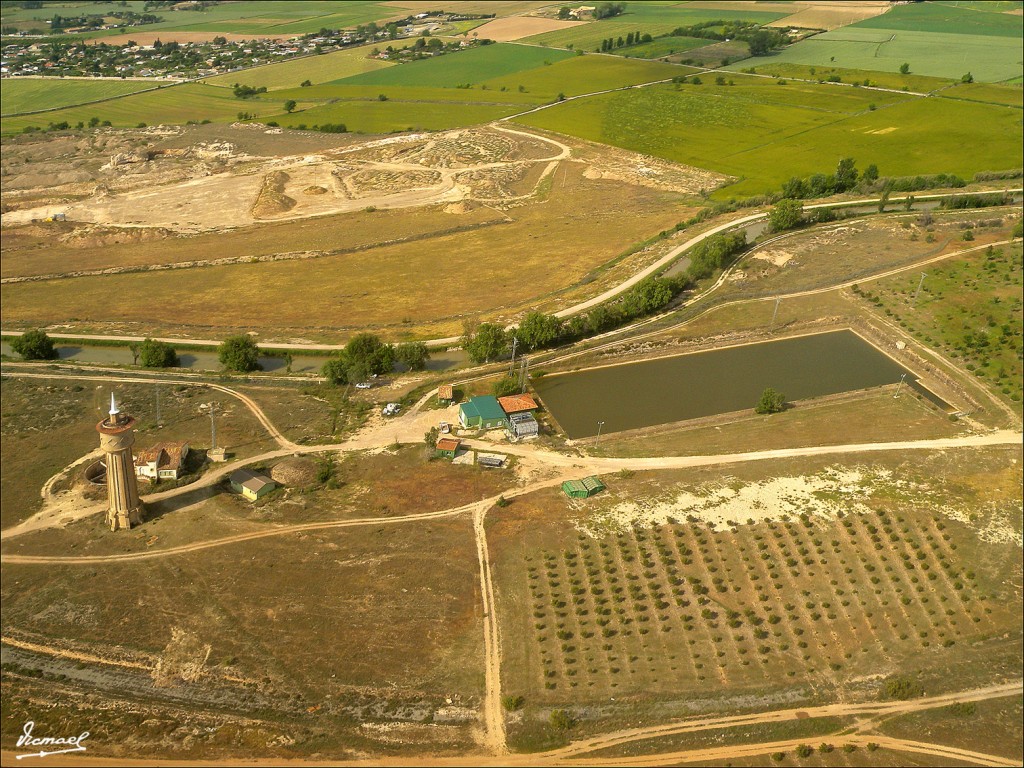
column 690, row 386
column 203, row 360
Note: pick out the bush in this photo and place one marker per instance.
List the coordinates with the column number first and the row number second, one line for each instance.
column 512, row 703
column 901, row 688
column 157, row 354
column 561, row 720
column 804, row 751
column 34, row 345
column 770, row 402
column 239, row 353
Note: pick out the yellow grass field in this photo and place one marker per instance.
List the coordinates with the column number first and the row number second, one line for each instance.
column 516, row 27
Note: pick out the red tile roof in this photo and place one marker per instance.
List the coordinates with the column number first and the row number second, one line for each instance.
column 447, row 444
column 166, row 455
column 444, row 392
column 517, row 403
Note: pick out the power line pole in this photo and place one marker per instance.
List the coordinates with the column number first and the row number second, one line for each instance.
column 921, row 283
column 213, row 426
column 524, row 374
column 512, row 365
column 900, row 385
column 159, row 421
column 775, row 312
column 598, row 440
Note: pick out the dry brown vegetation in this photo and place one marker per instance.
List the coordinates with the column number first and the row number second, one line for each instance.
column 309, row 635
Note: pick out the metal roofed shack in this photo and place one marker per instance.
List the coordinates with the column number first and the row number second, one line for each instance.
column 251, row 485
column 582, row 489
column 483, row 412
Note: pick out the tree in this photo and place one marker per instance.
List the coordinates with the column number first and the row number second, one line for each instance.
column 647, row 296
column 564, row 12
column 289, row 106
column 786, row 214
column 366, row 355
column 846, row 175
column 904, row 68
column 505, row 386
column 157, row 354
column 430, row 437
column 794, row 189
column 136, row 349
column 870, row 174
column 413, row 355
column 770, row 402
column 305, row 84
column 335, row 371
column 239, row 353
column 967, row 78
column 488, row 343
column 34, row 345
column 538, row 330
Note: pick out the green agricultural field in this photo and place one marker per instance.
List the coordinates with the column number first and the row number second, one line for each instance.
column 970, row 308
column 764, row 133
column 650, row 19
column 915, row 83
column 988, row 58
column 585, row 74
column 481, row 94
column 1011, row 95
column 30, row 95
column 259, row 17
column 376, row 116
column 173, row 104
column 660, row 46
column 981, row 19
column 317, row 69
column 472, row 66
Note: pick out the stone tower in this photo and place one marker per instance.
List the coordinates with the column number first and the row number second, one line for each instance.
column 117, row 435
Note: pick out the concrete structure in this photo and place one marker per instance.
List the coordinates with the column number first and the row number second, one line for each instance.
column 164, row 461
column 447, row 447
column 523, row 425
column 117, row 435
column 581, row 489
column 251, row 485
column 482, row 412
column 517, row 403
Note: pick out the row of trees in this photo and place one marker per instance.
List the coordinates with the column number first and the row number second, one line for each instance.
column 36, row 345
column 633, row 38
column 366, row 355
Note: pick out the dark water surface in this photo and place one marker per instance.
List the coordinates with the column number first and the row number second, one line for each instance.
column 718, row 381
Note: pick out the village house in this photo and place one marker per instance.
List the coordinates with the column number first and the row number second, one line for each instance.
column 164, row 461
column 482, row 412
column 251, row 485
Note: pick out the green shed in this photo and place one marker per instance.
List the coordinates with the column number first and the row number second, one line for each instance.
column 581, row 489
column 484, row 412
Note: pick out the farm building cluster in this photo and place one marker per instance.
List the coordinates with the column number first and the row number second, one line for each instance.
column 514, row 413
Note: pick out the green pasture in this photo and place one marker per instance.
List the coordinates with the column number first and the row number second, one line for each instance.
column 393, row 116
column 980, row 19
column 763, row 134
column 1010, row 95
column 585, row 74
column 915, row 83
column 31, row 94
column 260, row 17
column 172, row 104
column 989, row 58
column 480, row 94
column 661, row 46
column 474, row 65
column 651, row 19
column 318, row 69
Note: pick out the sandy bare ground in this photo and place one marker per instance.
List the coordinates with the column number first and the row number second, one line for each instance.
column 516, row 27
column 831, row 15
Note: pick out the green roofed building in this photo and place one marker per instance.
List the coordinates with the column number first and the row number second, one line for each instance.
column 581, row 489
column 483, row 412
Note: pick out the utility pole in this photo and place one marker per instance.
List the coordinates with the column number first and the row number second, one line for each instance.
column 524, row 374
column 921, row 283
column 598, row 440
column 771, row 327
column 512, row 365
column 900, row 385
column 213, row 427
column 158, row 419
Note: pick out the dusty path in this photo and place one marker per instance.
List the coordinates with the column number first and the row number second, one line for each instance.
column 494, row 717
